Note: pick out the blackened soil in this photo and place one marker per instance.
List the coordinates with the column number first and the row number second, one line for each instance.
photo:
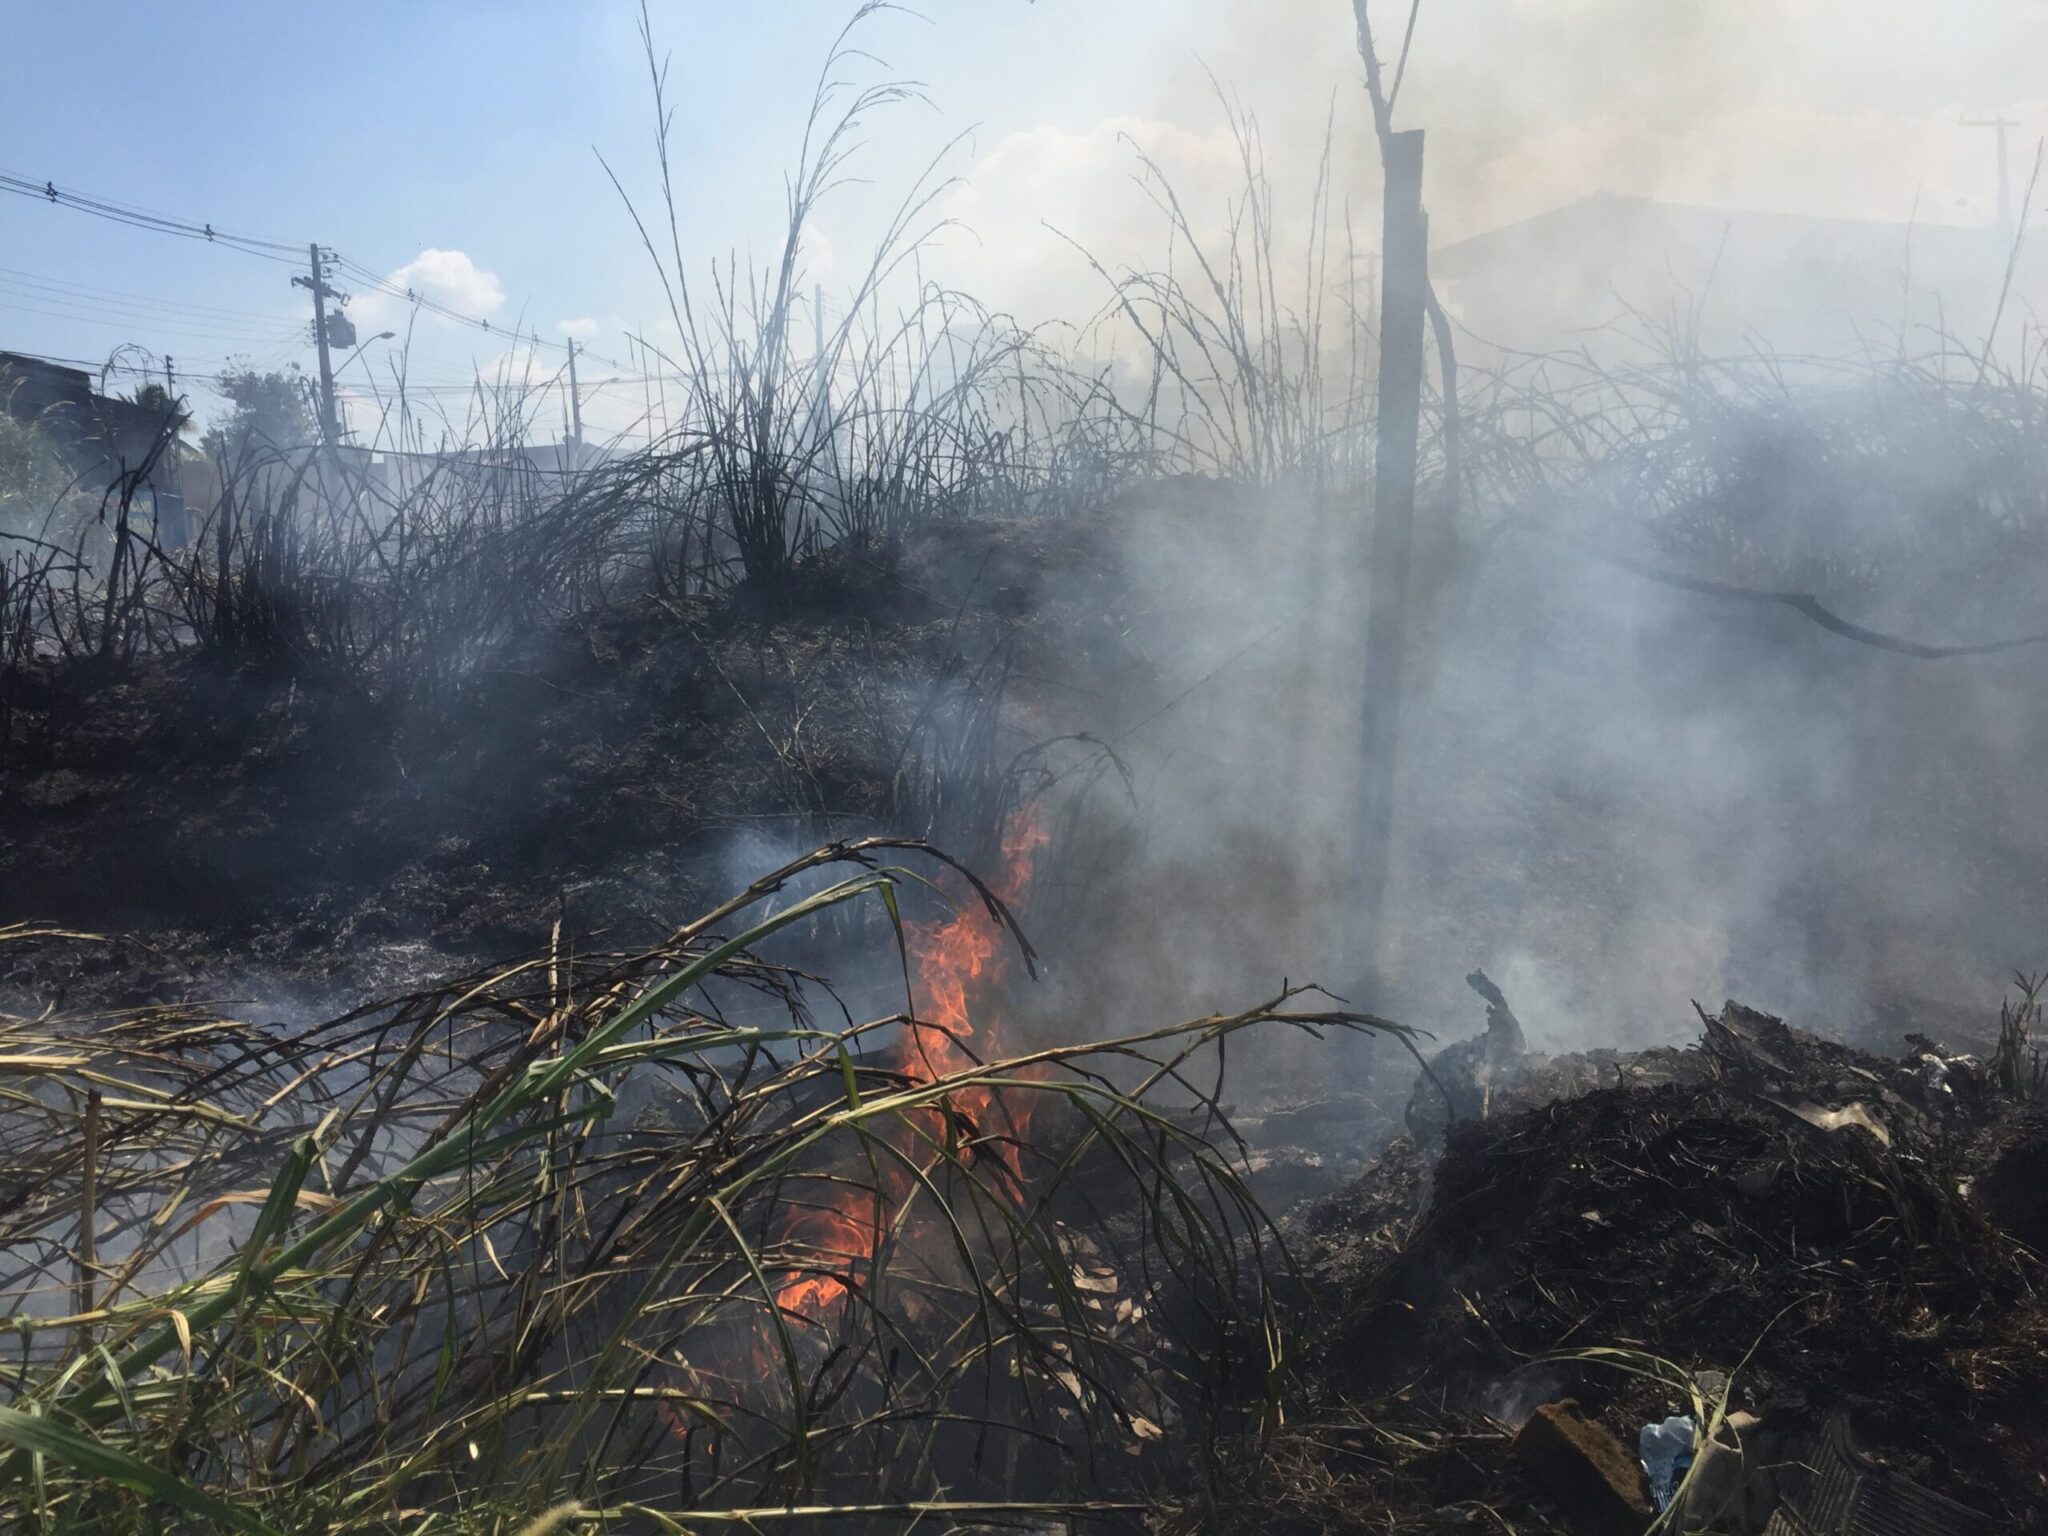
column 1702, row 1223
column 601, row 771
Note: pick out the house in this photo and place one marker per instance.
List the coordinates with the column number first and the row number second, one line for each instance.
column 100, row 438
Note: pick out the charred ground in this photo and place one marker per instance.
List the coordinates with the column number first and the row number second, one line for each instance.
column 604, row 775
column 601, row 774
column 1617, row 1231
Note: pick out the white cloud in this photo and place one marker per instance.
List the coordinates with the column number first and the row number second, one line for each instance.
column 449, row 278
column 582, row 329
column 817, row 257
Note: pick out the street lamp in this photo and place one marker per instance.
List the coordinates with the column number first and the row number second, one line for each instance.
column 380, row 336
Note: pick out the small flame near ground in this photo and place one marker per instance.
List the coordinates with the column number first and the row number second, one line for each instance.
column 953, row 964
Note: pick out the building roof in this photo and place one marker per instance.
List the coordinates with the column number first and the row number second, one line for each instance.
column 92, row 432
column 1796, row 280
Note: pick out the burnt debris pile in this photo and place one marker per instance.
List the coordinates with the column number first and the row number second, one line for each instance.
column 1815, row 1255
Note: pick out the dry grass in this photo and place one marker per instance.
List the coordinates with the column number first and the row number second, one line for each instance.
column 531, row 1237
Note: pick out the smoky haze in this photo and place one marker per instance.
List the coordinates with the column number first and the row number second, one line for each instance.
column 1615, row 795
column 1817, row 108
column 1722, row 279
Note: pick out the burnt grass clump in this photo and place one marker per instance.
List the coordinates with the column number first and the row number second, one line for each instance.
column 599, row 770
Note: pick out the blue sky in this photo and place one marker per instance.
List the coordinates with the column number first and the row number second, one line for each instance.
column 389, row 129
column 394, row 129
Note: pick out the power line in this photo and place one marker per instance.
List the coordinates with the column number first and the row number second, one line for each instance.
column 47, row 191
column 287, row 252
column 65, row 307
column 140, row 325
column 143, row 370
column 86, row 290
column 142, row 218
column 163, row 223
column 369, row 278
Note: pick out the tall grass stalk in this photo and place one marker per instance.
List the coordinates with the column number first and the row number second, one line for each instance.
column 454, row 1260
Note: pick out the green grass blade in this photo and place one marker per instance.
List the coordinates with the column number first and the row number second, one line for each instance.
column 82, row 1453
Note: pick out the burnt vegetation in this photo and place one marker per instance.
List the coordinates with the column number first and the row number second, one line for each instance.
column 812, row 1209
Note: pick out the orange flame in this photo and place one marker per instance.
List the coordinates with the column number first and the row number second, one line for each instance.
column 952, row 963
column 841, row 1237
column 956, row 959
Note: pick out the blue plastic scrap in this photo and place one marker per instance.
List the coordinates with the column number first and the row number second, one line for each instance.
column 1666, row 1451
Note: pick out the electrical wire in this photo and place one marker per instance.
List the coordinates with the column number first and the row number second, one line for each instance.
column 140, row 370
column 369, row 278
column 87, row 291
column 79, row 297
column 141, row 218
column 43, row 304
column 273, row 250
column 139, row 326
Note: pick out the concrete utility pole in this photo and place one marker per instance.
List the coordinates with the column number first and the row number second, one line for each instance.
column 330, row 428
column 174, row 526
column 575, row 404
column 1404, row 300
column 646, row 367
column 822, row 425
column 2003, row 126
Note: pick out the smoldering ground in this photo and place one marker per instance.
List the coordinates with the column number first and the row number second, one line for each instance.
column 1698, row 702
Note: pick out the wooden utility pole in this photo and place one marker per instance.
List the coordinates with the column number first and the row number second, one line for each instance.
column 2003, row 126
column 330, row 427
column 575, row 405
column 1404, row 300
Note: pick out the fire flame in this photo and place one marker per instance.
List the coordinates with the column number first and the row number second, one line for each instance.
column 952, row 963
column 839, row 1237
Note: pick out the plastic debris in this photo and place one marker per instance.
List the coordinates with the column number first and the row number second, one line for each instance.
column 1837, row 1119
column 1666, row 1451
